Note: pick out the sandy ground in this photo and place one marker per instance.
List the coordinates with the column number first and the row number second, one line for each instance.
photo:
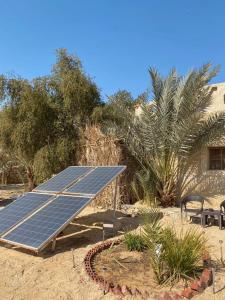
column 25, row 276
column 9, row 192
column 52, row 275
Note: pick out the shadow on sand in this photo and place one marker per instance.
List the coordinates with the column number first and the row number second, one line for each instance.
column 86, row 230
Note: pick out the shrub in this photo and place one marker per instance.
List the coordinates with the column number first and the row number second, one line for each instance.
column 173, row 256
column 134, row 242
column 151, row 215
column 183, row 253
column 178, row 256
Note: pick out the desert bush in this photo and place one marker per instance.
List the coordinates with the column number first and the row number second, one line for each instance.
column 173, row 256
column 134, row 242
column 183, row 253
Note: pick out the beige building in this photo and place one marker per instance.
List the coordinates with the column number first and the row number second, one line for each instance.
column 209, row 179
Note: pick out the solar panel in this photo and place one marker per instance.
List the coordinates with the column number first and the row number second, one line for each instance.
column 94, row 182
column 21, row 208
column 59, row 182
column 36, row 231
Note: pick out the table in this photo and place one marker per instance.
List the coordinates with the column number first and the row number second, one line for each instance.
column 212, row 213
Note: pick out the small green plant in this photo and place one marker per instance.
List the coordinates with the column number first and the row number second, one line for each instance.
column 151, row 215
column 143, row 188
column 173, row 256
column 183, row 253
column 134, row 242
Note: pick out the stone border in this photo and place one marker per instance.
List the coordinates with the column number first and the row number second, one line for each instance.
column 195, row 287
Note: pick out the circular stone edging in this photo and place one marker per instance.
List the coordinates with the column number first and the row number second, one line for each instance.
column 195, row 287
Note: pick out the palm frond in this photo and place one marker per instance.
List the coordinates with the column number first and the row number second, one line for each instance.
column 172, row 128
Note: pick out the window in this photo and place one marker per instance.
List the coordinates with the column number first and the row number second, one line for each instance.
column 217, row 158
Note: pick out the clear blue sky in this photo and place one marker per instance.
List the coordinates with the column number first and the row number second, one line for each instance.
column 117, row 40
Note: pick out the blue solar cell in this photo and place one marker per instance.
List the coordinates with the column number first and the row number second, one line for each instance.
column 59, row 182
column 21, row 208
column 94, row 182
column 42, row 226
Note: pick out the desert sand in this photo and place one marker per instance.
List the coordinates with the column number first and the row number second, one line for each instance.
column 55, row 275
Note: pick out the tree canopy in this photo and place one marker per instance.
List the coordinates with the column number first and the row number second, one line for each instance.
column 109, row 114
column 41, row 119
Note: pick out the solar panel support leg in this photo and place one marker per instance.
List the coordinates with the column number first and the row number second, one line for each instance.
column 114, row 198
column 53, row 244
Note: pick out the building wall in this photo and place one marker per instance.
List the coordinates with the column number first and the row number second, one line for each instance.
column 210, row 183
column 218, row 97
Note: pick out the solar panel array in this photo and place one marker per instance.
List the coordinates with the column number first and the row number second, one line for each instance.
column 59, row 182
column 95, row 181
column 21, row 208
column 36, row 230
column 36, row 218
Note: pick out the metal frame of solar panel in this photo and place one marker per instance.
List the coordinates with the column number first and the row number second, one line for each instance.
column 61, row 181
column 41, row 228
column 20, row 209
column 88, row 178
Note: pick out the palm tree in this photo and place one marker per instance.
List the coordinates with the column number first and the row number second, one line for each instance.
column 171, row 129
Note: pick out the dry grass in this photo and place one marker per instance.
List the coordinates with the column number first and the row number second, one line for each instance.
column 125, row 267
column 103, row 150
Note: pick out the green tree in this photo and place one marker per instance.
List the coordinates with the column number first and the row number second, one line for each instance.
column 41, row 120
column 71, row 88
column 171, row 129
column 109, row 113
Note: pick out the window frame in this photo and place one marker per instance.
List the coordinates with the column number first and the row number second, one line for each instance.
column 222, row 162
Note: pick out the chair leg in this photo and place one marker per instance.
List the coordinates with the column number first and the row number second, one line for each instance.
column 204, row 220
